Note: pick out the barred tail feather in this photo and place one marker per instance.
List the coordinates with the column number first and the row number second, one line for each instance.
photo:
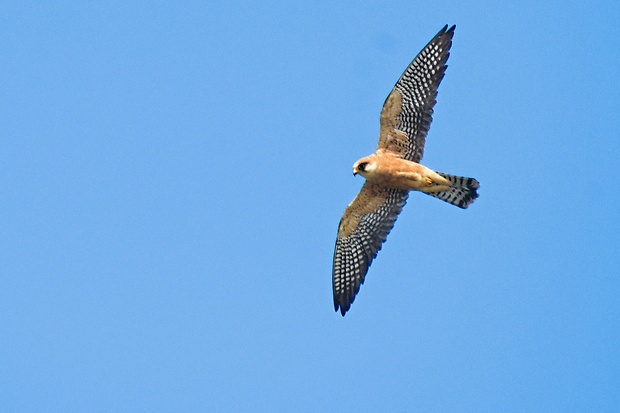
column 462, row 193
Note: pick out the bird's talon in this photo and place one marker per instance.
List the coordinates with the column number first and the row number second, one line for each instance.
column 428, row 180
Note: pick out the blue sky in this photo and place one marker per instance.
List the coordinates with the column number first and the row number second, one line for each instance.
column 173, row 175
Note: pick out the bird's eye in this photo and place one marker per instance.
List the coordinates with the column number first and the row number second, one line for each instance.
column 362, row 166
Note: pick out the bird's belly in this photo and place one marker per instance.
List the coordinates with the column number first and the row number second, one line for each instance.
column 399, row 173
column 405, row 180
column 407, row 175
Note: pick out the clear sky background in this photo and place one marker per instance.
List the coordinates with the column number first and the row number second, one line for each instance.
column 173, row 174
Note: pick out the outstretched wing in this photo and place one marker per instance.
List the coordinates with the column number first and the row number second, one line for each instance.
column 408, row 110
column 363, row 228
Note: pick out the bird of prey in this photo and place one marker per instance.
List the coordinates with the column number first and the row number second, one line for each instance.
column 394, row 170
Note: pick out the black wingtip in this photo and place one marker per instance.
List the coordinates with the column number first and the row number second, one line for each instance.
column 447, row 29
column 446, row 32
column 343, row 308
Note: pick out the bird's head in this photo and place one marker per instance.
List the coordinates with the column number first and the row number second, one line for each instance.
column 364, row 166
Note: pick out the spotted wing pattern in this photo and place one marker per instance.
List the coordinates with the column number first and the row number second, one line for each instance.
column 408, row 110
column 363, row 228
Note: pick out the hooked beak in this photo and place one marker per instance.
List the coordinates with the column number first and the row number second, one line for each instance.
column 354, row 171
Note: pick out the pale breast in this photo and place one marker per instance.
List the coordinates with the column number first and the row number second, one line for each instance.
column 395, row 172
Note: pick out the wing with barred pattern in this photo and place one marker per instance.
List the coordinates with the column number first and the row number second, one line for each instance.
column 363, row 228
column 408, row 110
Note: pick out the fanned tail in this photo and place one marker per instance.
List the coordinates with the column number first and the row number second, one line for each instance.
column 462, row 193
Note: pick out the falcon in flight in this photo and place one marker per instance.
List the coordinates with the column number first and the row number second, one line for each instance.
column 394, row 170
